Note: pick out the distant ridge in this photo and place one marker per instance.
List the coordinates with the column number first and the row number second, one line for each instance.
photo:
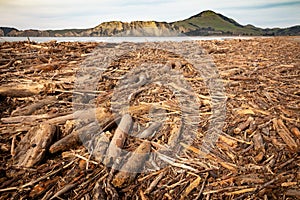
column 206, row 23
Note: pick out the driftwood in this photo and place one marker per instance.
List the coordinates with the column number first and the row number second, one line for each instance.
column 192, row 186
column 101, row 144
column 259, row 146
column 255, row 157
column 133, row 165
column 28, row 110
column 243, row 125
column 21, row 90
column 32, row 118
column 296, row 132
column 150, row 131
column 117, row 142
column 33, row 147
column 285, row 134
column 84, row 133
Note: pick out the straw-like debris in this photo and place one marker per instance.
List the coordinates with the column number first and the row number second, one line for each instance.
column 79, row 123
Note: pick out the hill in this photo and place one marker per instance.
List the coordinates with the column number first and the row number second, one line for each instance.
column 205, row 23
column 211, row 23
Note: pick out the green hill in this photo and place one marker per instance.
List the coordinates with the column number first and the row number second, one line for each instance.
column 209, row 22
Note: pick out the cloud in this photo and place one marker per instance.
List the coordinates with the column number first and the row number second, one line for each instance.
column 270, row 5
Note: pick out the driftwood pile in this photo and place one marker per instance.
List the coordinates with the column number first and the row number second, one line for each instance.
column 51, row 151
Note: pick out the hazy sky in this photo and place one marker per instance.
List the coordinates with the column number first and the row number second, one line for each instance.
column 59, row 14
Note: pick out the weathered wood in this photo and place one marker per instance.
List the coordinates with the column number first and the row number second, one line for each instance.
column 260, row 80
column 133, row 165
column 33, row 147
column 150, row 131
column 243, row 125
column 259, row 146
column 117, row 142
column 192, row 186
column 101, row 144
column 9, row 64
column 30, row 118
column 28, row 110
column 296, row 132
column 285, row 134
column 21, row 90
column 83, row 134
column 175, row 134
column 154, row 182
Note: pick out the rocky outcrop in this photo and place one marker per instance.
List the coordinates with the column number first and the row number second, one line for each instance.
column 1, row 33
column 135, row 28
column 28, row 33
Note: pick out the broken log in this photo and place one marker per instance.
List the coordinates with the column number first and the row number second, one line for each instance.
column 117, row 142
column 133, row 166
column 33, row 147
column 83, row 134
column 25, row 90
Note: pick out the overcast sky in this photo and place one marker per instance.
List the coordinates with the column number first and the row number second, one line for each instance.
column 60, row 14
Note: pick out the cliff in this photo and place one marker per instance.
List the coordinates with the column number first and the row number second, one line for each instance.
column 135, row 28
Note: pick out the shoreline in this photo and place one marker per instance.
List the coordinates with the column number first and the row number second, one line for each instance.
column 126, row 39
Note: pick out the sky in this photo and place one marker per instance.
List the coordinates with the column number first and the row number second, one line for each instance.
column 61, row 14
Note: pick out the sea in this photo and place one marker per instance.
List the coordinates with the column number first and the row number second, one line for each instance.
column 119, row 39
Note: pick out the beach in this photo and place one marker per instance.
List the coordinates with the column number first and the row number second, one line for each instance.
column 201, row 119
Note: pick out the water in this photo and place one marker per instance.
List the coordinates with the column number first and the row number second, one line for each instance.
column 118, row 39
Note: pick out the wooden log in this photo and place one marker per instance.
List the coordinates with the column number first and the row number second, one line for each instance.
column 90, row 114
column 35, row 46
column 134, row 164
column 285, row 134
column 117, row 142
column 83, row 134
column 293, row 193
column 230, row 142
column 20, row 90
column 155, row 182
column 71, row 140
column 28, row 110
column 29, row 118
column 33, row 147
column 46, row 67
